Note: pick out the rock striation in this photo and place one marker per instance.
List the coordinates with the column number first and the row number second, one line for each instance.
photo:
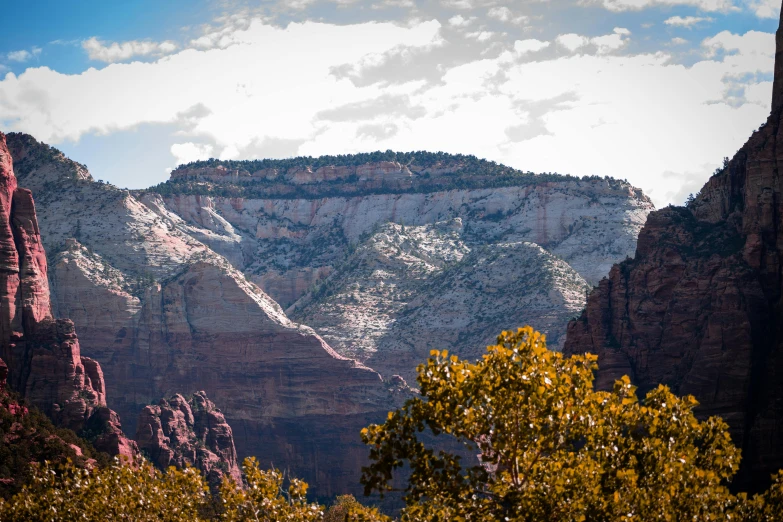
column 699, row 307
column 189, row 432
column 407, row 290
column 42, row 354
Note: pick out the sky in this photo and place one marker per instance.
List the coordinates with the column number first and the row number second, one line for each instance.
column 653, row 91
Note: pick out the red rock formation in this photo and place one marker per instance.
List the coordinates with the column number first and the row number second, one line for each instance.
column 180, row 432
column 43, row 355
column 699, row 308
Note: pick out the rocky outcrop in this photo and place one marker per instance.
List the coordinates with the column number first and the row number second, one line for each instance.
column 699, row 307
column 27, row 438
column 590, row 223
column 43, row 356
column 189, row 432
column 406, row 290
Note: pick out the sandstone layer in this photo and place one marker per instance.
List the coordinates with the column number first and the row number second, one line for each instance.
column 189, row 432
column 699, row 307
column 43, row 356
column 407, row 290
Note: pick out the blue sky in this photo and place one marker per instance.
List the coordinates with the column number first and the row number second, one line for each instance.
column 654, row 91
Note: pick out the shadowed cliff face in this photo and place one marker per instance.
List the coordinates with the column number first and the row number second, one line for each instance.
column 43, row 354
column 699, row 307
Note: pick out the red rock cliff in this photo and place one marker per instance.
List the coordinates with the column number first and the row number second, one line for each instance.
column 42, row 354
column 699, row 307
column 180, row 432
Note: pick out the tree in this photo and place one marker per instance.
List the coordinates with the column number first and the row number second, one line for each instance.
column 551, row 447
column 141, row 492
column 67, row 493
column 265, row 500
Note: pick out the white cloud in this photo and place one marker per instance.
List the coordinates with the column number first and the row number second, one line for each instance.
column 765, row 8
column 24, row 55
column 679, row 41
column 481, row 36
column 688, row 21
column 753, row 45
column 611, row 42
column 572, row 41
column 118, row 52
column 187, row 152
column 504, row 14
column 635, row 5
column 603, row 44
column 592, row 112
column 460, row 21
column 529, row 46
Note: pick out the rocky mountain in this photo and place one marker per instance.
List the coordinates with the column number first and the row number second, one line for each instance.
column 293, row 229
column 163, row 313
column 189, row 432
column 406, row 290
column 699, row 307
column 348, row 243
column 175, row 289
column 42, row 356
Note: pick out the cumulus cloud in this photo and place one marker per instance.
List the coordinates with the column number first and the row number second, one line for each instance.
column 635, row 5
column 687, row 21
column 602, row 44
column 187, row 152
column 570, row 104
column 765, row 8
column 121, row 51
column 504, row 14
column 572, row 41
column 529, row 46
column 460, row 21
column 23, row 55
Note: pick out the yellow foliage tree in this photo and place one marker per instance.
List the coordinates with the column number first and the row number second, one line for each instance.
column 66, row 493
column 552, row 448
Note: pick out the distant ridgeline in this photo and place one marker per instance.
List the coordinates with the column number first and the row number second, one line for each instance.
column 350, row 175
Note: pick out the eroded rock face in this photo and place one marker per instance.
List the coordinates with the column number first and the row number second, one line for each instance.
column 407, row 290
column 189, row 432
column 164, row 313
column 699, row 307
column 43, row 355
column 591, row 224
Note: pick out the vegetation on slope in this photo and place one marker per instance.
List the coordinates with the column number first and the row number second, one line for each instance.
column 551, row 448
column 464, row 172
column 28, row 437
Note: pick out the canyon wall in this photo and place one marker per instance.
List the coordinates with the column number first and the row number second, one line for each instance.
column 699, row 307
column 42, row 354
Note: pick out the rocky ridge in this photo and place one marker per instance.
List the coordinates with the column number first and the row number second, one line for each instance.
column 699, row 307
column 42, row 354
column 189, row 432
column 406, row 290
